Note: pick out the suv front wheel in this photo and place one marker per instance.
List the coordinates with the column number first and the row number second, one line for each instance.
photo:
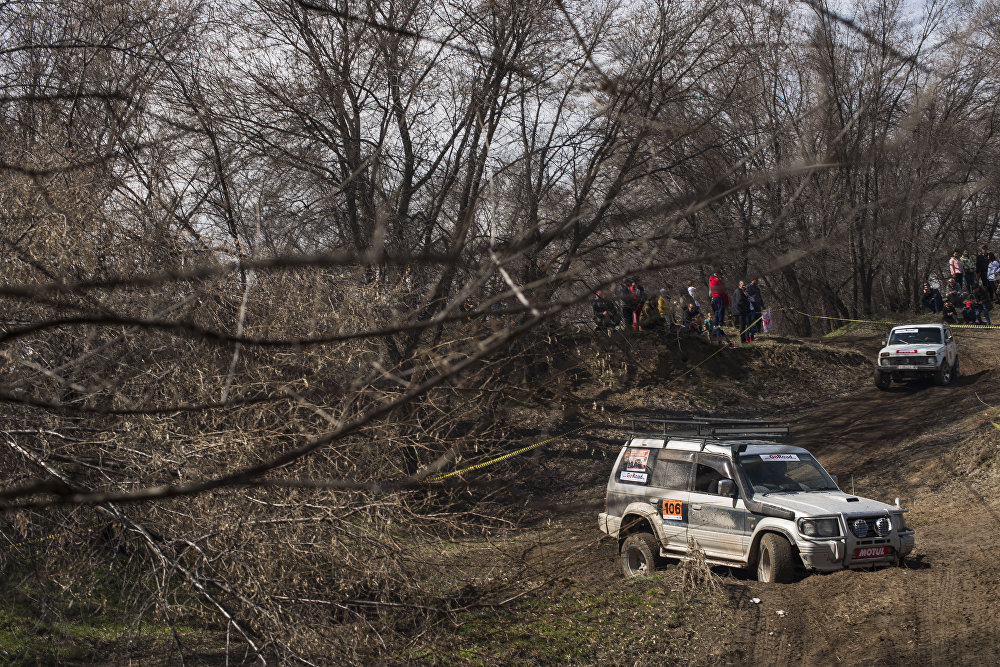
column 882, row 380
column 774, row 562
column 943, row 374
column 640, row 555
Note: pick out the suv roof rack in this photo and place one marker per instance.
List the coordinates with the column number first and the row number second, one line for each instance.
column 710, row 427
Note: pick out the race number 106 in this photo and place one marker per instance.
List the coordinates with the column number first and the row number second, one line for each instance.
column 672, row 510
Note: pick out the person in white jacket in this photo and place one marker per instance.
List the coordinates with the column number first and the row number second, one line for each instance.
column 693, row 291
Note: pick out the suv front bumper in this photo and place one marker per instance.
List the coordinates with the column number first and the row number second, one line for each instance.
column 841, row 553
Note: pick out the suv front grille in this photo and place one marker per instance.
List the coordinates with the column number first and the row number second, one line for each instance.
column 909, row 360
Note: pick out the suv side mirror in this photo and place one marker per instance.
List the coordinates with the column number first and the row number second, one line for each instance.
column 727, row 488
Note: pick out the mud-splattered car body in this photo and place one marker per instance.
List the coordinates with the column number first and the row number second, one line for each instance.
column 667, row 495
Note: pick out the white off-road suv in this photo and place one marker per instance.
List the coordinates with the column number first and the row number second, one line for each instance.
column 727, row 488
column 917, row 350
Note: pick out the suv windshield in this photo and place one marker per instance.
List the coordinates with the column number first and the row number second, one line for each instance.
column 771, row 473
column 915, row 335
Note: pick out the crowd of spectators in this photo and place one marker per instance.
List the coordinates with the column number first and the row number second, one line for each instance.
column 970, row 291
column 629, row 306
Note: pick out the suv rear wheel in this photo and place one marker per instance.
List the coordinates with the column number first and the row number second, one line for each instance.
column 640, row 555
column 774, row 562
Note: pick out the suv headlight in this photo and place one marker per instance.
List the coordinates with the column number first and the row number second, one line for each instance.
column 819, row 527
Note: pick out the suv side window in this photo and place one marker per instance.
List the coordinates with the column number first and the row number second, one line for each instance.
column 708, row 473
column 672, row 474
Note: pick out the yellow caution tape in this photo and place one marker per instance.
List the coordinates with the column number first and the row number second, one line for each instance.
column 522, row 450
column 49, row 537
column 890, row 323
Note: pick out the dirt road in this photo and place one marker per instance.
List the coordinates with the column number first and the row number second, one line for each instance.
column 925, row 444
column 931, row 446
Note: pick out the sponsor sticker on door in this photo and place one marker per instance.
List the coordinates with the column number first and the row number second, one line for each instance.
column 672, row 510
column 872, row 552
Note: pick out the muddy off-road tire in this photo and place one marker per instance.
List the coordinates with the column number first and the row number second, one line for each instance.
column 954, row 370
column 640, row 555
column 882, row 380
column 775, row 563
column 943, row 375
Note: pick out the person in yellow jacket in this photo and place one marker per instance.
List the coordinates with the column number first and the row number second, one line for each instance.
column 666, row 308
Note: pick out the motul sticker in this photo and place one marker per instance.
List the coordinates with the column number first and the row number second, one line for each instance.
column 629, row 476
column 672, row 510
column 779, row 457
column 872, row 552
column 906, row 351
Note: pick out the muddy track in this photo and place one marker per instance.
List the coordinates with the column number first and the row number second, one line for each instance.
column 912, row 442
column 941, row 609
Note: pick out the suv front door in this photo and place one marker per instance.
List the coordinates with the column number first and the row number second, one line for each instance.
column 716, row 522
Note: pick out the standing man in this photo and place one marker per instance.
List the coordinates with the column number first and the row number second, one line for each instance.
column 983, row 265
column 720, row 300
column 993, row 274
column 742, row 310
column 753, row 291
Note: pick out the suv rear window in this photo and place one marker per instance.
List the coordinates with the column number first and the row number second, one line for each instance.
column 637, row 462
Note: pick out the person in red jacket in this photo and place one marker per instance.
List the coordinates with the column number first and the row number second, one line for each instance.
column 720, row 300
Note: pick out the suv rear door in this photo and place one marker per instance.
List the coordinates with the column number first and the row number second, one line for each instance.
column 669, row 486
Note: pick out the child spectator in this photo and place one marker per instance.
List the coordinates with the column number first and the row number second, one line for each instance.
column 716, row 334
column 968, row 313
column 949, row 315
